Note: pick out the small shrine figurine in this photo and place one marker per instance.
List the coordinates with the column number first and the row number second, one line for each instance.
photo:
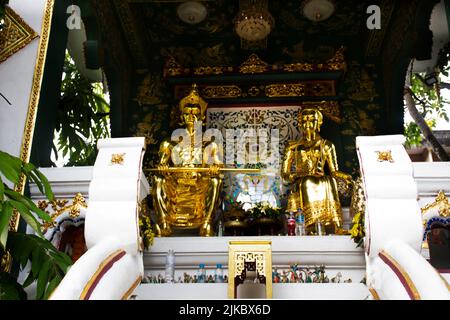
column 314, row 176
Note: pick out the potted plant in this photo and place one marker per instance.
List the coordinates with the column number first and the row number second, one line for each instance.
column 265, row 218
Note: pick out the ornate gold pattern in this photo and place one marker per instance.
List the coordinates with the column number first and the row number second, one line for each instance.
column 117, row 158
column 442, row 203
column 34, row 99
column 5, row 262
column 336, row 63
column 385, row 156
column 285, row 90
column 16, row 35
column 298, row 67
column 330, row 109
column 221, row 92
column 173, row 68
column 208, row 70
column 241, row 253
column 59, row 207
column 254, row 65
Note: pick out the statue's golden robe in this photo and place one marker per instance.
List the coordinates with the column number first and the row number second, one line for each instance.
column 314, row 184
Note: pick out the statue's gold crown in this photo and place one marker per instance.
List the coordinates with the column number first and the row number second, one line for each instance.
column 193, row 98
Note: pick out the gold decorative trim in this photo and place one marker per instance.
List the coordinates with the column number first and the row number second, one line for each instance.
column 97, row 272
column 172, row 68
column 253, row 65
column 374, row 294
column 208, row 70
column 132, row 288
column 59, row 207
column 15, row 36
column 441, row 202
column 336, row 63
column 34, row 100
column 385, row 156
column 406, row 277
column 285, row 90
column 117, row 158
column 211, row 92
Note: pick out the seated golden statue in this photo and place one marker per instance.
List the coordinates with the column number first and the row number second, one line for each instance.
column 187, row 184
column 314, row 177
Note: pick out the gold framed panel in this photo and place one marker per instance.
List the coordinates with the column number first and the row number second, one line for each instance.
column 15, row 36
column 258, row 251
column 30, row 120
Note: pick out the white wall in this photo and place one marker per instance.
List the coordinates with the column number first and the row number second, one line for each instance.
column 16, row 76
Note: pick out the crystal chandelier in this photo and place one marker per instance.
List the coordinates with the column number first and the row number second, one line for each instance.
column 253, row 23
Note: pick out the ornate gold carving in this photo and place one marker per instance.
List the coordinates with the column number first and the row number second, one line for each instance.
column 241, row 253
column 173, row 68
column 16, row 34
column 59, row 207
column 337, row 63
column 117, row 158
column 253, row 65
column 221, row 92
column 285, row 90
column 253, row 91
column 298, row 67
column 385, row 156
column 300, row 89
column 149, row 91
column 208, row 70
column 442, row 203
column 330, row 109
column 5, row 262
column 34, row 99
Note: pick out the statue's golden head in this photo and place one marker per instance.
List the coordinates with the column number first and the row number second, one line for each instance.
column 310, row 120
column 192, row 107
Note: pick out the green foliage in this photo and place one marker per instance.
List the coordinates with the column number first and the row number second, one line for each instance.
column 430, row 106
column 83, row 117
column 10, row 200
column 48, row 265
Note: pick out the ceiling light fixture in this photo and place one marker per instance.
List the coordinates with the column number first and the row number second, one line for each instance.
column 317, row 10
column 192, row 12
column 253, row 23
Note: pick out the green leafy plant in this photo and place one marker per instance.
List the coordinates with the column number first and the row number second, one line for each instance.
column 430, row 106
column 83, row 117
column 48, row 265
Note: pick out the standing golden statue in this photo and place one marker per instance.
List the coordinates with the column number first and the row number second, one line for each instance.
column 314, row 176
column 188, row 179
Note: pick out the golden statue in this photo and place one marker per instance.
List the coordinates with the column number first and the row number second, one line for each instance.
column 314, row 177
column 188, row 179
